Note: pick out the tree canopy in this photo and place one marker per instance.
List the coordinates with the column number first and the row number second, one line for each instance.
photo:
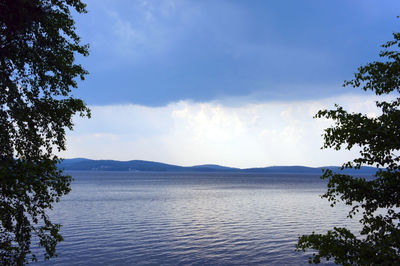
column 377, row 199
column 38, row 46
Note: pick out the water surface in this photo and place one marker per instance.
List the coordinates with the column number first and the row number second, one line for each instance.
column 134, row 218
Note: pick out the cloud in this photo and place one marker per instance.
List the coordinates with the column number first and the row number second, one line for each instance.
column 139, row 29
column 158, row 52
column 189, row 133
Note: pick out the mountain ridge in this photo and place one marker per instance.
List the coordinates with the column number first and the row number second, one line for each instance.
column 83, row 164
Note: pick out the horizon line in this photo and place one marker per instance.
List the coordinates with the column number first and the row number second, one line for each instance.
column 212, row 164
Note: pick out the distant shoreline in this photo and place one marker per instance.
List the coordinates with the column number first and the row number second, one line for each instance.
column 83, row 164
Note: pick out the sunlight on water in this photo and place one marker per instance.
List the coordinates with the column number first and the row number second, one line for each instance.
column 117, row 218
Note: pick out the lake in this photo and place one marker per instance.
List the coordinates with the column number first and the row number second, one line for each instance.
column 149, row 218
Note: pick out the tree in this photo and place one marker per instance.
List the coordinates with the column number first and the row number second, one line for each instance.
column 38, row 45
column 377, row 199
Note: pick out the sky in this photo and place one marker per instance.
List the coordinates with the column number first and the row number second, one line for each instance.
column 235, row 83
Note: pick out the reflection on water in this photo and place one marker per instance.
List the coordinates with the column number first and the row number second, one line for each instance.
column 118, row 218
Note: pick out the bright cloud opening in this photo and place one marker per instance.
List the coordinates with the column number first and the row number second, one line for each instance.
column 189, row 133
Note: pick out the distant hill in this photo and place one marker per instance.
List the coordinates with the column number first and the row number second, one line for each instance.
column 82, row 164
column 111, row 165
column 309, row 170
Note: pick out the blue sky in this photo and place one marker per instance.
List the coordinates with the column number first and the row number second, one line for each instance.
column 158, row 66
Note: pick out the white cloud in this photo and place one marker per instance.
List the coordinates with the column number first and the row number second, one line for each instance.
column 188, row 133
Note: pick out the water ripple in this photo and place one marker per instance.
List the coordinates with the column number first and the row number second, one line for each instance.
column 190, row 219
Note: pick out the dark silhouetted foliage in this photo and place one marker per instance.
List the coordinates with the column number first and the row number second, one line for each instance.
column 38, row 45
column 377, row 200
